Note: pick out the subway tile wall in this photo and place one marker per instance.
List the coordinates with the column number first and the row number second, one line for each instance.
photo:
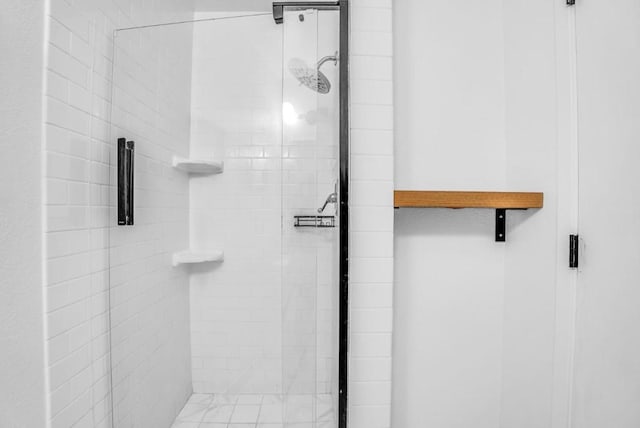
column 371, row 222
column 78, row 105
column 236, row 314
column 149, row 298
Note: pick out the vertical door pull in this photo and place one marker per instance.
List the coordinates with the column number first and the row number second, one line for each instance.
column 574, row 251
column 125, row 182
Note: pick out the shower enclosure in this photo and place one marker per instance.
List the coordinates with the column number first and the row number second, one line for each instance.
column 229, row 220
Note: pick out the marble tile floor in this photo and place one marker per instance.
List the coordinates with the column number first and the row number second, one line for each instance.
column 257, row 411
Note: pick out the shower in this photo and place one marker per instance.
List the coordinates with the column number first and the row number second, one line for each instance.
column 226, row 298
column 310, row 77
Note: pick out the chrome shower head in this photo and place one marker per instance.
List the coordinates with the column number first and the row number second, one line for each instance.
column 310, row 77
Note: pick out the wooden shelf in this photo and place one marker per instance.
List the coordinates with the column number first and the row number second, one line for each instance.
column 454, row 199
column 500, row 201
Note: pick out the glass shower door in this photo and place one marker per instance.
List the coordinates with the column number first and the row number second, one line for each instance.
column 310, row 221
column 148, row 297
column 223, row 298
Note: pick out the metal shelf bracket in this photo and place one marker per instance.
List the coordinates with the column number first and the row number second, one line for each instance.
column 501, row 225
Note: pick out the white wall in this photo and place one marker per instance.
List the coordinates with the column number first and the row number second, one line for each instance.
column 476, row 110
column 78, row 143
column 22, row 374
column 536, row 257
column 450, row 132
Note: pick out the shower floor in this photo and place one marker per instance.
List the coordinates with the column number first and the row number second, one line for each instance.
column 256, row 411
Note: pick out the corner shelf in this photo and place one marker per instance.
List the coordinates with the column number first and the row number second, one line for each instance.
column 198, row 166
column 192, row 257
column 500, row 201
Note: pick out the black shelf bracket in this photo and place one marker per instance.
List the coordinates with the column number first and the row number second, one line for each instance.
column 501, row 225
column 501, row 222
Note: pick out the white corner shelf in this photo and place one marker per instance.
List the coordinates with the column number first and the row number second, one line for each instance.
column 198, row 166
column 188, row 257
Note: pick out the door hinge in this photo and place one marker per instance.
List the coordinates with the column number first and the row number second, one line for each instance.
column 574, row 251
column 571, row 2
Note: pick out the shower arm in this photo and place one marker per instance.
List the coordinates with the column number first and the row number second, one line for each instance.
column 328, row 58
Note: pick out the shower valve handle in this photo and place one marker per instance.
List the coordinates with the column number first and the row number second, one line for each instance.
column 331, row 199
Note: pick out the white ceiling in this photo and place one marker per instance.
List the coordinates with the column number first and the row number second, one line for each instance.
column 234, row 5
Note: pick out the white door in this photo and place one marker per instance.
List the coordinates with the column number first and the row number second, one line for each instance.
column 607, row 358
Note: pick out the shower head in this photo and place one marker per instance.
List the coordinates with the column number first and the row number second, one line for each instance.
column 311, row 77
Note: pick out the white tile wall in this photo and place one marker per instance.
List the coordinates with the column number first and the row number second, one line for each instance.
column 371, row 223
column 149, row 298
column 236, row 110
column 78, row 97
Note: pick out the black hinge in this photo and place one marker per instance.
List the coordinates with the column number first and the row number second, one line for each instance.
column 278, row 12
column 571, row 2
column 574, row 251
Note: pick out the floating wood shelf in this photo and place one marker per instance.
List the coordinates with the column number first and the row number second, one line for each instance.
column 449, row 199
column 500, row 201
column 198, row 166
column 191, row 257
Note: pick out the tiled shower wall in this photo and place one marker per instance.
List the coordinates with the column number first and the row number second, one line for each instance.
column 371, row 200
column 236, row 110
column 149, row 298
column 78, row 99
